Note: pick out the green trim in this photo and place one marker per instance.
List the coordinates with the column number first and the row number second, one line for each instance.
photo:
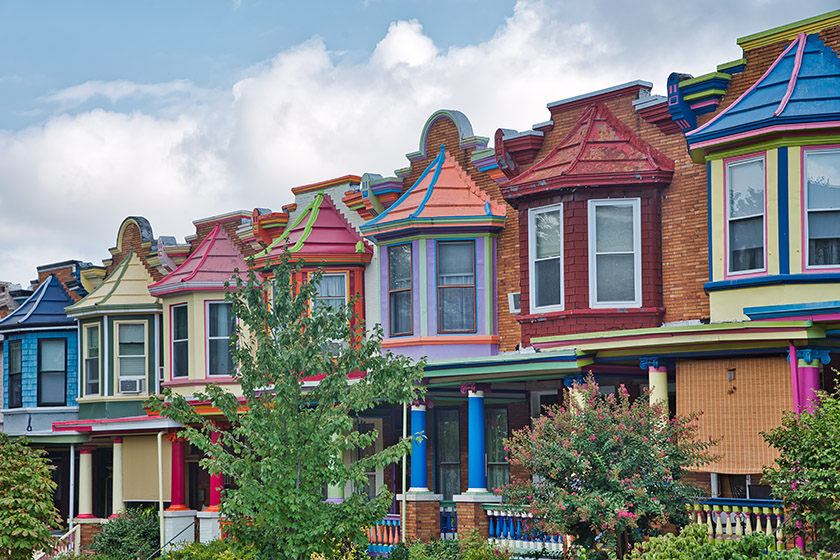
column 413, row 222
column 424, row 307
column 726, row 65
column 704, row 94
column 58, row 438
column 787, row 142
column 118, row 279
column 768, row 34
column 439, row 236
column 503, row 368
column 313, row 215
column 705, row 77
column 106, row 286
column 489, row 287
column 306, row 211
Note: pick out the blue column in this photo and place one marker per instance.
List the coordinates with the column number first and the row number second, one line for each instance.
column 419, row 476
column 477, row 479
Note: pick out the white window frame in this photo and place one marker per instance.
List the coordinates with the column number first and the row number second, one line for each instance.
column 208, row 338
column 806, row 242
column 532, row 253
column 145, row 376
column 174, row 340
column 635, row 204
column 346, row 285
column 88, row 337
column 729, row 165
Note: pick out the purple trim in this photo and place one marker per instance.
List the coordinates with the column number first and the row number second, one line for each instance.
column 495, row 287
column 797, row 64
column 480, row 286
column 431, row 285
column 446, row 351
column 383, row 289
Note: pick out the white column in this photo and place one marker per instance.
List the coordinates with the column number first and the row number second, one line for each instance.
column 86, row 483
column 117, row 492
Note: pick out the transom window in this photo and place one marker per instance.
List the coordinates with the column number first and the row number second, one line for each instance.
column 822, row 192
column 400, row 320
column 615, row 271
column 180, row 341
column 92, row 360
column 131, row 357
column 52, row 369
column 745, row 215
column 331, row 291
column 456, row 286
column 545, row 248
column 15, row 374
column 220, row 325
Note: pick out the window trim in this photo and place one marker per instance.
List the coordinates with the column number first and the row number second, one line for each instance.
column 532, row 253
column 87, row 336
column 635, row 204
column 438, row 287
column 19, row 344
column 63, row 372
column 117, row 375
column 410, row 290
column 173, row 340
column 805, row 150
column 207, row 339
column 344, row 273
column 727, row 164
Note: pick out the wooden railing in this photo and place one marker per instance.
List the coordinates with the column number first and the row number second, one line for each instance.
column 383, row 535
column 67, row 544
column 448, row 521
column 731, row 518
column 514, row 529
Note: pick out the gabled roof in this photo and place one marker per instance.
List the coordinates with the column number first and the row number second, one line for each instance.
column 124, row 290
column 45, row 307
column 319, row 234
column 600, row 150
column 208, row 267
column 800, row 87
column 444, row 197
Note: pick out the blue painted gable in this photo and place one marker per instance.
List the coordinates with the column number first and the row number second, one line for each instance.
column 43, row 308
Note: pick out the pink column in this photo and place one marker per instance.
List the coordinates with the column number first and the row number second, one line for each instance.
column 809, row 384
column 217, row 481
column 178, row 502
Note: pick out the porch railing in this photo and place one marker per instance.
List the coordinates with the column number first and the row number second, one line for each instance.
column 67, row 544
column 448, row 521
column 514, row 529
column 382, row 536
column 731, row 518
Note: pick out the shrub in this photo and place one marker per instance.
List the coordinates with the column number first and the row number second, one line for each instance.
column 693, row 543
column 214, row 550
column 469, row 546
column 135, row 533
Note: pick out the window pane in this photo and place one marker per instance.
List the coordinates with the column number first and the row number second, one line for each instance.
column 547, row 282
column 746, row 244
column 823, row 169
column 132, row 334
column 613, row 228
column 332, row 286
column 448, row 436
column 52, row 356
column 497, row 476
column 92, row 376
column 220, row 361
column 496, row 431
column 399, row 267
column 14, row 356
column 616, row 277
column 132, row 367
column 221, row 320
column 457, row 309
column 180, row 359
column 51, row 388
column 456, row 263
column 179, row 322
column 548, row 229
column 15, row 392
column 746, row 189
column 400, row 312
column 92, row 342
column 450, row 480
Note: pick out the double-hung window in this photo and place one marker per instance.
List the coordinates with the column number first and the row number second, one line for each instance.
column 615, row 268
column 131, row 357
column 745, row 215
column 92, row 360
column 52, row 370
column 822, row 193
column 456, row 286
column 399, row 290
column 15, row 374
column 449, row 451
column 220, row 325
column 331, row 291
column 496, row 430
column 180, row 341
column 545, row 263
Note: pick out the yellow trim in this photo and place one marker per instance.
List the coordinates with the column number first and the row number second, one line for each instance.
column 789, row 142
column 790, row 31
column 795, row 209
column 771, row 192
column 718, row 226
column 116, row 354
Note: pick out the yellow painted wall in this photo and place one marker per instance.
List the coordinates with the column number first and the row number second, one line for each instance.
column 140, row 468
column 771, row 193
column 718, row 223
column 728, row 305
column 795, row 208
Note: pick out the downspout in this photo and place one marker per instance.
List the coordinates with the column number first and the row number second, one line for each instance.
column 402, row 505
column 160, row 483
column 72, row 508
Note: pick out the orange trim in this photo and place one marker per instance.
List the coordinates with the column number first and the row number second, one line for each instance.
column 435, row 340
column 326, row 184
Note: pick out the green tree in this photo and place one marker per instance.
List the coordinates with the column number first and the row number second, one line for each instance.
column 27, row 512
column 306, row 372
column 807, row 473
column 608, row 470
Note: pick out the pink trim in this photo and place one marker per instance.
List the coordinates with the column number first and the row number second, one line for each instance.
column 221, row 380
column 80, row 425
column 701, row 104
column 212, row 238
column 797, row 64
column 765, row 130
column 743, row 95
column 85, row 451
column 804, row 210
column 217, row 481
column 794, row 376
column 178, row 502
column 85, row 516
column 117, row 440
column 218, row 288
column 726, row 274
column 809, row 384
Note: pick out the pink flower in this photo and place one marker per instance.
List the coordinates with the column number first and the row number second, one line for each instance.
column 592, row 438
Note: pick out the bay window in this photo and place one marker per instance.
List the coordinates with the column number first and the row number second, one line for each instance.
column 400, row 319
column 180, row 341
column 220, row 324
column 545, row 248
column 822, row 206
column 52, row 370
column 745, row 215
column 15, row 375
column 456, row 286
column 615, row 271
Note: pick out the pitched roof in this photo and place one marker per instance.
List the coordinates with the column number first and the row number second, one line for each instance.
column 207, row 268
column 319, row 234
column 600, row 150
column 124, row 290
column 45, row 307
column 800, row 87
column 443, row 197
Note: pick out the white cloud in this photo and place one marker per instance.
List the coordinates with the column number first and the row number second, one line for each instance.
column 404, row 44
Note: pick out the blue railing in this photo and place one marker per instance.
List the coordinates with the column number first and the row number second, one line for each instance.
column 448, row 521
column 515, row 529
column 384, row 535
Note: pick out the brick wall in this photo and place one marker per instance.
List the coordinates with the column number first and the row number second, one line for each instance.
column 65, row 275
column 132, row 240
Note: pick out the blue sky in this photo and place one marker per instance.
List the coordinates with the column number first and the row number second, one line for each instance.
column 180, row 110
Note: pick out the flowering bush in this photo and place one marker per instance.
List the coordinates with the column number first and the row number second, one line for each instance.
column 693, row 543
column 608, row 471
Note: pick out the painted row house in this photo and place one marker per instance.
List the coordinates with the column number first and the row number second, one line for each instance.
column 685, row 244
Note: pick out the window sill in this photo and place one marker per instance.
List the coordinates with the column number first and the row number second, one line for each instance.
column 599, row 312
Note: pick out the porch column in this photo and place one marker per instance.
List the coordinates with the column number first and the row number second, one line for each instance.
column 422, row 507
column 117, row 491
column 657, row 381
column 419, row 474
column 85, row 483
column 208, row 519
column 177, row 501
column 217, row 481
column 809, row 375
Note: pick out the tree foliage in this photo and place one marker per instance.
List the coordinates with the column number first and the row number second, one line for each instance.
column 693, row 543
column 306, row 372
column 135, row 533
column 27, row 512
column 607, row 470
column 807, row 473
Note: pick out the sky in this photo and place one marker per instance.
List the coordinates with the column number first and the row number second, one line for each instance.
column 180, row 110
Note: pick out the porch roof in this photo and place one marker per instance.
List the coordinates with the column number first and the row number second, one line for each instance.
column 513, row 366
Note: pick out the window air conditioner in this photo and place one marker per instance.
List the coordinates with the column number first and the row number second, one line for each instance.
column 131, row 385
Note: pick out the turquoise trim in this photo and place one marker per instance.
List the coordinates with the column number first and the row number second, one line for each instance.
column 780, row 311
column 438, row 162
column 401, row 199
column 826, row 278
